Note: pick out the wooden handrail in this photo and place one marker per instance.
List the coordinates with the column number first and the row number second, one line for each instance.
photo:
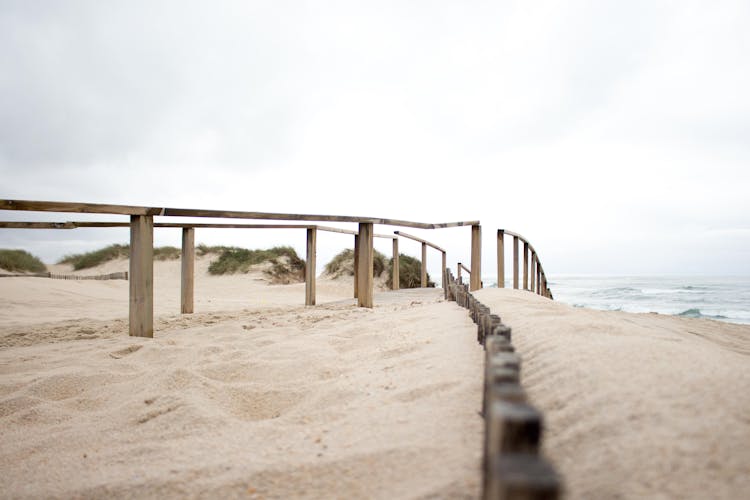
column 97, row 208
column 409, row 236
column 425, row 244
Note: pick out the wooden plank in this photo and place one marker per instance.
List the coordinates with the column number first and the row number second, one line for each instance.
column 365, row 264
column 141, row 310
column 312, row 235
column 356, row 265
column 532, row 274
column 39, row 225
column 476, row 258
column 74, row 207
column 395, row 276
column 425, row 242
column 423, row 271
column 77, row 207
column 187, row 276
column 525, row 265
column 500, row 258
column 515, row 262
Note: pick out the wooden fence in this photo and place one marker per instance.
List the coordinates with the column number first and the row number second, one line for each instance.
column 512, row 467
column 75, row 277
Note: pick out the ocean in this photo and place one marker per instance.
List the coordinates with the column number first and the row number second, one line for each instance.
column 714, row 297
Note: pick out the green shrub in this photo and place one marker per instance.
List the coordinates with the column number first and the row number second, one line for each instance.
column 409, row 273
column 343, row 264
column 287, row 266
column 20, row 261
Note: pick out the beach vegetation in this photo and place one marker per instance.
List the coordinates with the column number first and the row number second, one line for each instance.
column 285, row 264
column 112, row 252
column 20, row 261
column 342, row 264
column 409, row 273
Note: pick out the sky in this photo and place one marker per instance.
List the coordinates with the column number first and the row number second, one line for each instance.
column 614, row 135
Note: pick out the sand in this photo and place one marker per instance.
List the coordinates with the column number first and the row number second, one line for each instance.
column 636, row 405
column 257, row 396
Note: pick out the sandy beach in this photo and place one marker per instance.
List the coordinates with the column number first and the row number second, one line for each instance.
column 257, row 396
column 254, row 396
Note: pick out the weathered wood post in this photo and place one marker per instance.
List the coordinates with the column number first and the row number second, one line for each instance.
column 445, row 276
column 476, row 258
column 312, row 237
column 515, row 262
column 187, row 276
column 532, row 284
column 500, row 258
column 423, row 276
column 395, row 277
column 458, row 278
column 356, row 265
column 538, row 277
column 141, row 311
column 364, row 264
column 525, row 265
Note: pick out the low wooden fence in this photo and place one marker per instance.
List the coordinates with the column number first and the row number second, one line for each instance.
column 55, row 276
column 512, row 467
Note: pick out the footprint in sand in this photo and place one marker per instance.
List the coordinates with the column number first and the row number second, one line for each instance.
column 124, row 352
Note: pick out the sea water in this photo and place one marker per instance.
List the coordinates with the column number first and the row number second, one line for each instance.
column 724, row 298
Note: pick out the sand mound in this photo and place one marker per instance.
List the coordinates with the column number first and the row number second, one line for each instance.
column 637, row 405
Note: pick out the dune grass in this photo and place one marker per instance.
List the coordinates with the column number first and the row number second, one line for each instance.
column 97, row 257
column 343, row 264
column 409, row 273
column 286, row 265
column 20, row 261
column 409, row 269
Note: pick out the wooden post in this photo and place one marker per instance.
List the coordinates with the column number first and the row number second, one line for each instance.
column 515, row 262
column 476, row 258
column 356, row 265
column 532, row 284
column 500, row 258
column 141, row 315
column 525, row 265
column 365, row 263
column 395, row 277
column 538, row 277
column 187, row 278
column 312, row 237
column 520, row 475
column 458, row 266
column 445, row 276
column 424, row 266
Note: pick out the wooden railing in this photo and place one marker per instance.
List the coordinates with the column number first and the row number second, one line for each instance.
column 141, row 245
column 534, row 277
column 425, row 244
column 142, row 225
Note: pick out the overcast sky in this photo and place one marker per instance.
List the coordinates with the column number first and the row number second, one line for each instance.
column 614, row 135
